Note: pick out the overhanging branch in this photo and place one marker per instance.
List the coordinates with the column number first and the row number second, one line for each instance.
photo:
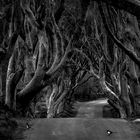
column 118, row 43
column 131, row 6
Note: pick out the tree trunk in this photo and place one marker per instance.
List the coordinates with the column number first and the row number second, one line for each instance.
column 10, row 91
column 1, row 81
column 25, row 96
column 29, row 69
column 12, row 80
column 32, row 88
column 51, row 109
column 57, row 101
column 125, row 98
column 134, row 87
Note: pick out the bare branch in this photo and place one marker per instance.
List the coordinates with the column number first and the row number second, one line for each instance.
column 80, row 84
column 89, row 61
column 28, row 12
column 118, row 43
column 62, row 60
column 131, row 6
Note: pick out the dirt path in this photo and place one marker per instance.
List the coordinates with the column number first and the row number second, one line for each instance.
column 89, row 125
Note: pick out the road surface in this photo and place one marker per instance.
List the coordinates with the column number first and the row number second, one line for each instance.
column 92, row 109
column 88, row 125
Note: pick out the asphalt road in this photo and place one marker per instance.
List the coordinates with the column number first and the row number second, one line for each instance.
column 88, row 125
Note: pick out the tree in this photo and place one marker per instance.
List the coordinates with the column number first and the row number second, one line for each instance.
column 42, row 43
column 111, row 71
column 48, row 46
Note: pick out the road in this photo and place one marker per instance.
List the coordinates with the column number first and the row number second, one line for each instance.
column 92, row 109
column 88, row 125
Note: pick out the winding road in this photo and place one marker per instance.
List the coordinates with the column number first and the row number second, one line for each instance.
column 89, row 124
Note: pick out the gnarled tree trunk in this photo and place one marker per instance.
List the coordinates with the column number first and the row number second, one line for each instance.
column 1, row 81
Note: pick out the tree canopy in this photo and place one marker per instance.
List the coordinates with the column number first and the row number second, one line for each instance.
column 48, row 47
